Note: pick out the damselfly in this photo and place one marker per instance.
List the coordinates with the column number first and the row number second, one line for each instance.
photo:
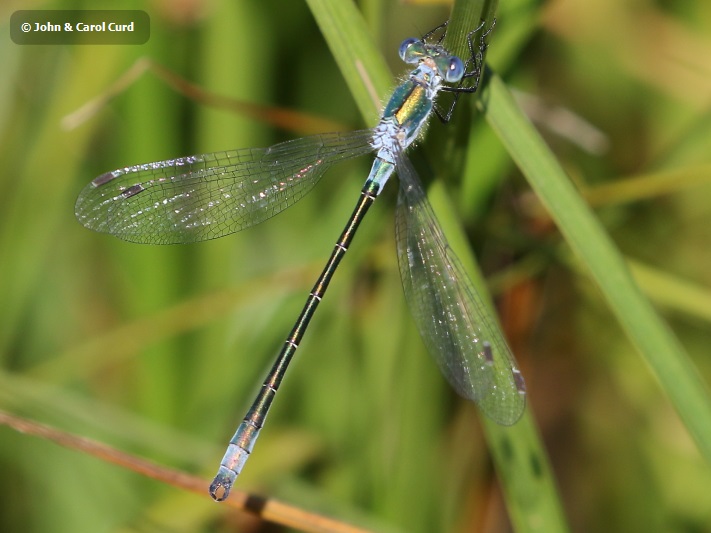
column 207, row 196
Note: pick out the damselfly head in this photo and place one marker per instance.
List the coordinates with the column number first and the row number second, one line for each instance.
column 449, row 67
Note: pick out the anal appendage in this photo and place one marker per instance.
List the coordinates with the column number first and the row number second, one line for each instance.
column 233, row 461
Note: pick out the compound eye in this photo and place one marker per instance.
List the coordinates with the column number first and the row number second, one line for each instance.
column 406, row 50
column 455, row 70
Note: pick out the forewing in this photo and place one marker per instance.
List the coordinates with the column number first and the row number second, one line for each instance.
column 207, row 196
column 450, row 315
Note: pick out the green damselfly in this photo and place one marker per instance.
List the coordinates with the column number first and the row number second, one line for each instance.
column 208, row 196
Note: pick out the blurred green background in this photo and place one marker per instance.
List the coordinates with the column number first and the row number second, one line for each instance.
column 158, row 350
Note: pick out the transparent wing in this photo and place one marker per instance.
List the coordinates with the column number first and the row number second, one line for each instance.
column 208, row 196
column 451, row 317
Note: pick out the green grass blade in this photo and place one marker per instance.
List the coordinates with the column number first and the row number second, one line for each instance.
column 520, row 458
column 650, row 335
column 671, row 292
column 361, row 62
